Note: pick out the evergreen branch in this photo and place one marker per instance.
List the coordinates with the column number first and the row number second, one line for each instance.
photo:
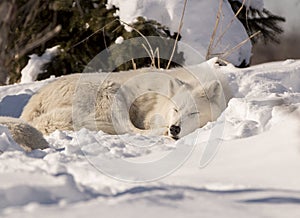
column 255, row 20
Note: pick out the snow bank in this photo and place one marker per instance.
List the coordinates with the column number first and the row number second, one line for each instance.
column 255, row 172
column 264, row 95
column 199, row 22
column 35, row 64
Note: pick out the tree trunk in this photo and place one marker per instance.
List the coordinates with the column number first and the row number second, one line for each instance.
column 7, row 8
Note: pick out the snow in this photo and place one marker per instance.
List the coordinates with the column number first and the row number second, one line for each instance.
column 119, row 40
column 35, row 64
column 255, row 172
column 199, row 22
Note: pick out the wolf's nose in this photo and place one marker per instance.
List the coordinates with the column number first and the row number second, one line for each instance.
column 175, row 130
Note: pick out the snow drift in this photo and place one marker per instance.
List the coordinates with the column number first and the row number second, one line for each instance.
column 254, row 173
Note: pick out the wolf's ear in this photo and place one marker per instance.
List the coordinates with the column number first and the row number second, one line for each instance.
column 210, row 90
column 175, row 85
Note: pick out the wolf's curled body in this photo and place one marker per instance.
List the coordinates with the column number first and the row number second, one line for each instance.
column 146, row 101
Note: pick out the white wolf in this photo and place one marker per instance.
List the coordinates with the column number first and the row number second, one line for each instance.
column 146, row 101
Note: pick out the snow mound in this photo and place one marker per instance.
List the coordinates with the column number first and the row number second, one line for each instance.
column 264, row 95
column 199, row 22
column 35, row 64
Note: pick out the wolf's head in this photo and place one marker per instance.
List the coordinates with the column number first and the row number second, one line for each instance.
column 193, row 106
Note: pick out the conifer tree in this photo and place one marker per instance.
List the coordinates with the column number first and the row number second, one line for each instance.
column 82, row 28
column 255, row 20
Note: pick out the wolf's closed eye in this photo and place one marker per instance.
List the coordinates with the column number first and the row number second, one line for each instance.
column 189, row 115
column 192, row 114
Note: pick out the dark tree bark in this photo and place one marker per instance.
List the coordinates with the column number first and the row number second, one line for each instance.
column 7, row 12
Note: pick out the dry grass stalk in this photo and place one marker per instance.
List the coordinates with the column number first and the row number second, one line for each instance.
column 150, row 55
column 149, row 50
column 156, row 52
column 212, row 44
column 227, row 53
column 133, row 64
column 212, row 38
column 229, row 24
column 177, row 36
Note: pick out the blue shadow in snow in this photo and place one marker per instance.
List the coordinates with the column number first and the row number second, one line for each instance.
column 271, row 199
column 12, row 105
column 274, row 200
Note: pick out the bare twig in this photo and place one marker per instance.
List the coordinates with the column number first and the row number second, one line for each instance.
column 94, row 33
column 30, row 11
column 116, row 29
column 178, row 33
column 37, row 42
column 31, row 6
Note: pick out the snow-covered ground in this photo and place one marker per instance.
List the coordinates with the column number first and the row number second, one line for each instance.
column 255, row 172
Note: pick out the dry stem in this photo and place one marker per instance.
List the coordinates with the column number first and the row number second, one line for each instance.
column 226, row 54
column 177, row 36
column 230, row 23
column 212, row 38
